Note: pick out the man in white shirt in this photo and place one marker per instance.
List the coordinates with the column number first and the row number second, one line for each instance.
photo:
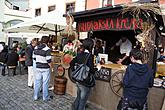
column 125, row 49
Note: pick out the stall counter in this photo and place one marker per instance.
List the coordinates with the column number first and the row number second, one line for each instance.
column 102, row 94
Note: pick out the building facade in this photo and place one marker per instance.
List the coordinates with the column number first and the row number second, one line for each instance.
column 1, row 19
column 91, row 4
column 12, row 12
column 15, row 11
column 40, row 7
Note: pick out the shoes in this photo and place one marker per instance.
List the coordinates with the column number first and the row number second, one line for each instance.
column 30, row 87
column 35, row 99
column 50, row 97
column 51, row 88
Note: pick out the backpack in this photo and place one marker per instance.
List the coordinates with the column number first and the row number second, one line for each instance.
column 81, row 71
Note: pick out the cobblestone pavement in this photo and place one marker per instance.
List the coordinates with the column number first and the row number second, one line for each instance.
column 16, row 95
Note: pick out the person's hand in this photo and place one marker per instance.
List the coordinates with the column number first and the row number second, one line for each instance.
column 112, row 48
column 98, row 67
column 52, row 70
column 119, row 61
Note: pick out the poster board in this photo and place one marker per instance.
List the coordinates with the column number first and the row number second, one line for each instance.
column 104, row 74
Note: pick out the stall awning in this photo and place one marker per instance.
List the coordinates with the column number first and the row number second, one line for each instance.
column 107, row 18
column 50, row 23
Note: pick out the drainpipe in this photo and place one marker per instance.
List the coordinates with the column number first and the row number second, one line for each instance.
column 85, row 4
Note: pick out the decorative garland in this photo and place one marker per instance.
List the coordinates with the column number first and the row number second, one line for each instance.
column 149, row 11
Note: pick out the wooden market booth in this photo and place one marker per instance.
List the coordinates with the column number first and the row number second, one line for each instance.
column 109, row 25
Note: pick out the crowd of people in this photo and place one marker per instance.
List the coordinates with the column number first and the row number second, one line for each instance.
column 35, row 57
column 137, row 80
column 11, row 58
column 136, row 83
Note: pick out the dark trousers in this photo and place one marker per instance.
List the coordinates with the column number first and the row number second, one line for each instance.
column 2, row 69
column 125, row 104
column 11, row 71
column 22, row 68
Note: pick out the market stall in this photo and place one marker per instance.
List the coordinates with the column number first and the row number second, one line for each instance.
column 109, row 24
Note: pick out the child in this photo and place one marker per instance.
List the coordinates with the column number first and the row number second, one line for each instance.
column 137, row 81
column 12, row 61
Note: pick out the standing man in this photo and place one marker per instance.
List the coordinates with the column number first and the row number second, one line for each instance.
column 42, row 56
column 29, row 61
column 125, row 49
column 137, row 80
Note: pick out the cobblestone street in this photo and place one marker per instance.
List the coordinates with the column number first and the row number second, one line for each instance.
column 16, row 95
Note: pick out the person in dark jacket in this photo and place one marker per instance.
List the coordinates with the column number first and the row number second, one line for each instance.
column 84, row 87
column 98, row 48
column 29, row 61
column 137, row 81
column 3, row 58
column 12, row 62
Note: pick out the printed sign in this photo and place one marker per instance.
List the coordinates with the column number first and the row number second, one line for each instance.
column 109, row 23
column 103, row 74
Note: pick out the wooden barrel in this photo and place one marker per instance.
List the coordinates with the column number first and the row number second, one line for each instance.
column 60, row 85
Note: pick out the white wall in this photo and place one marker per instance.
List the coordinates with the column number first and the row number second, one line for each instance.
column 15, row 14
column 1, row 20
column 60, row 5
column 80, row 5
column 43, row 4
column 1, row 10
column 22, row 4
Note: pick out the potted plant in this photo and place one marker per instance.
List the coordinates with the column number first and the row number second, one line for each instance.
column 69, row 53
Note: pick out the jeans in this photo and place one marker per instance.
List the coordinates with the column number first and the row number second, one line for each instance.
column 2, row 68
column 42, row 77
column 82, row 97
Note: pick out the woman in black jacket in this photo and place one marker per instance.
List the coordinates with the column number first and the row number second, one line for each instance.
column 12, row 61
column 84, row 87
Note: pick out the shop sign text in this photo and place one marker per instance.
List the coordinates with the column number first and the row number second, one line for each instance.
column 109, row 24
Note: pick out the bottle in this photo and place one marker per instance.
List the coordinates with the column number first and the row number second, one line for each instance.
column 97, row 60
column 102, row 61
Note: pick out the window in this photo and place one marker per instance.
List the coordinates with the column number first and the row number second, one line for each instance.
column 70, row 7
column 38, row 12
column 15, row 7
column 135, row 0
column 144, row 1
column 106, row 3
column 51, row 8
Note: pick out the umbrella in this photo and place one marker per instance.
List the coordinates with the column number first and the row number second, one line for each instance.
column 50, row 23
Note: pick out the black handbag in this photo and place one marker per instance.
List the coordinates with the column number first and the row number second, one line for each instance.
column 81, row 71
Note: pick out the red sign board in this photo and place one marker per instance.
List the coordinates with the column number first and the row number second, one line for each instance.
column 109, row 24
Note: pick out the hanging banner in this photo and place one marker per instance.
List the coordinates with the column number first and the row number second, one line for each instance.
column 109, row 23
